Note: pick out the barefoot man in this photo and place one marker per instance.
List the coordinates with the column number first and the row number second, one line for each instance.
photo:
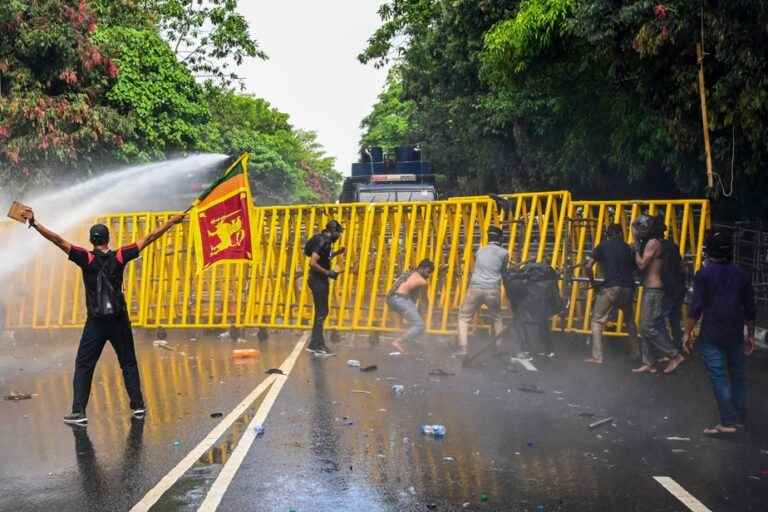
column 724, row 300
column 401, row 299
column 648, row 232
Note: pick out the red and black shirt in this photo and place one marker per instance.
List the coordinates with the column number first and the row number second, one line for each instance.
column 91, row 262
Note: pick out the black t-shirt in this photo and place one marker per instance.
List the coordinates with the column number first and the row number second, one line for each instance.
column 322, row 245
column 91, row 262
column 617, row 263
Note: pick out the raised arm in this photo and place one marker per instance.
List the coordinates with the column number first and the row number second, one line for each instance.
column 46, row 233
column 157, row 233
column 650, row 252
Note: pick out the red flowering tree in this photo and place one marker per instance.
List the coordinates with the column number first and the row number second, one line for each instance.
column 52, row 76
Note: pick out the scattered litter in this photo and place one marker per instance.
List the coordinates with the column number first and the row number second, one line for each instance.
column 245, row 353
column 412, row 490
column 361, row 391
column 433, row 430
column 752, row 477
column 431, row 506
column 354, row 363
column 465, row 504
column 192, row 339
column 395, row 354
column 477, row 392
column 530, row 444
column 382, row 410
column 586, row 415
column 558, row 392
column 278, row 371
column 369, row 368
column 18, row 396
column 398, row 389
column 439, row 372
column 678, row 450
column 484, row 498
column 449, row 459
column 160, row 343
column 217, row 414
column 764, row 452
column 574, row 405
column 349, row 423
column 390, row 378
column 601, row 422
column 675, row 438
column 530, row 388
column 540, row 508
column 259, row 430
column 177, row 443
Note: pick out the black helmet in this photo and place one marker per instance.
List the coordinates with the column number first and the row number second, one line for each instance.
column 718, row 244
column 99, row 234
column 646, row 227
column 334, row 226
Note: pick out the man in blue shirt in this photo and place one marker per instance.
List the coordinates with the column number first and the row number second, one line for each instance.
column 724, row 300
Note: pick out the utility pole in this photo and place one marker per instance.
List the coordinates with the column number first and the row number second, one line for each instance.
column 704, row 119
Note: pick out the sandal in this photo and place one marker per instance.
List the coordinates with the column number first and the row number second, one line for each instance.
column 646, row 368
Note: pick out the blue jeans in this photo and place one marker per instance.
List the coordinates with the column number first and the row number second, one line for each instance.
column 730, row 387
column 408, row 309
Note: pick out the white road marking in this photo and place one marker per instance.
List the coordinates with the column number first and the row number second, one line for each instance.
column 227, row 473
column 526, row 364
column 168, row 480
column 681, row 494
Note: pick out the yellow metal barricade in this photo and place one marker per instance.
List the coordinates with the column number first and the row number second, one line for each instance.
column 162, row 288
column 382, row 240
column 686, row 222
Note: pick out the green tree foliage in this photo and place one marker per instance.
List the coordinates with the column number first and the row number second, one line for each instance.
column 53, row 75
column 85, row 84
column 599, row 96
column 390, row 124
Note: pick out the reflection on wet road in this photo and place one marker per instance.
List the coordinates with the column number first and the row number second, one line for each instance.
column 329, row 448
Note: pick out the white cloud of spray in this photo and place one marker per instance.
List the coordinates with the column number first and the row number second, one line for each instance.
column 136, row 188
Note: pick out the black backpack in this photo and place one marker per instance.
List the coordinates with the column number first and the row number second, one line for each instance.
column 310, row 246
column 672, row 276
column 109, row 302
column 533, row 288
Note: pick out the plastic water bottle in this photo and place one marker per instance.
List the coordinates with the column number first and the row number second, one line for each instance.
column 259, row 430
column 354, row 363
column 433, row 430
column 398, row 389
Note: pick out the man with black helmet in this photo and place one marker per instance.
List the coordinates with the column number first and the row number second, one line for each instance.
column 724, row 300
column 107, row 311
column 484, row 287
column 648, row 232
column 319, row 249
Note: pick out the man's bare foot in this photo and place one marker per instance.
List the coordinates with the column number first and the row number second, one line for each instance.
column 646, row 368
column 398, row 347
column 720, row 429
column 592, row 360
column 674, row 363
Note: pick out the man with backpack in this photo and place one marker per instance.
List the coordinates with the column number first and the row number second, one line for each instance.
column 319, row 249
column 107, row 311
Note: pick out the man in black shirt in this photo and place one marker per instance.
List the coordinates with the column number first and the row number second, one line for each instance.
column 107, row 317
column 617, row 263
column 319, row 249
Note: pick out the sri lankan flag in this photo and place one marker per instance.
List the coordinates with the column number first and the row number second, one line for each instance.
column 221, row 218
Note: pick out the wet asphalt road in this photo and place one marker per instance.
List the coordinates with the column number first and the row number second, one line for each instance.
column 329, row 448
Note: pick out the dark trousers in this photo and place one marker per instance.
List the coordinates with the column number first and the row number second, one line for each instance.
column 726, row 365
column 95, row 334
column 320, row 291
column 673, row 313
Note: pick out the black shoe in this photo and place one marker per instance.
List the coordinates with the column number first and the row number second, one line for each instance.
column 139, row 412
column 76, row 418
column 323, row 352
